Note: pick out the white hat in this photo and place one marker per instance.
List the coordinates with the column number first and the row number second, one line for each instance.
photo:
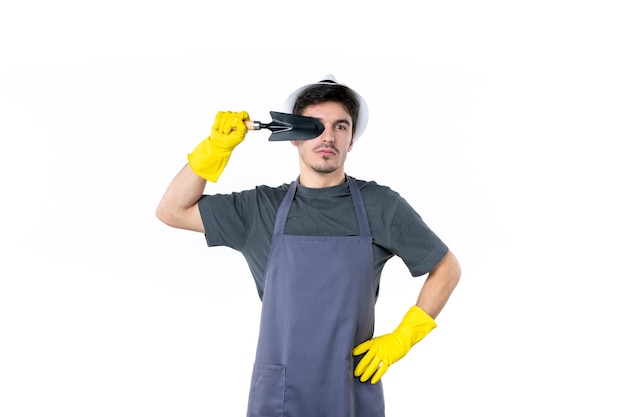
column 361, row 123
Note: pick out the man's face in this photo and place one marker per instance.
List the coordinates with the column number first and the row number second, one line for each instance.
column 326, row 153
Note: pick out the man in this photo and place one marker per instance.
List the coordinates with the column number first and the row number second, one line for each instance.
column 316, row 248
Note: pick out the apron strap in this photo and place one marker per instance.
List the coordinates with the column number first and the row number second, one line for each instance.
column 359, row 207
column 283, row 210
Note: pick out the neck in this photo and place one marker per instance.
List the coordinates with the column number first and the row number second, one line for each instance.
column 318, row 180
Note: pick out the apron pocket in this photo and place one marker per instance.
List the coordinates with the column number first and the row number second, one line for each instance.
column 267, row 391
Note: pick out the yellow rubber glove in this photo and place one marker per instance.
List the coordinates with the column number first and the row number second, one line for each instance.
column 210, row 157
column 385, row 350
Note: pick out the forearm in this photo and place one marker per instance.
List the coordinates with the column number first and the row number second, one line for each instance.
column 178, row 206
column 439, row 285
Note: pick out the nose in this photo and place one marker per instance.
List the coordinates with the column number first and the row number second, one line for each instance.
column 327, row 135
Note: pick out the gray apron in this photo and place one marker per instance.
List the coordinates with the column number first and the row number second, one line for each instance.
column 318, row 304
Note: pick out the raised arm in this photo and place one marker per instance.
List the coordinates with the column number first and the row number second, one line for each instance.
column 179, row 205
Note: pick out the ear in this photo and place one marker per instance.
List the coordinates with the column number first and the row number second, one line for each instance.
column 295, row 142
column 351, row 144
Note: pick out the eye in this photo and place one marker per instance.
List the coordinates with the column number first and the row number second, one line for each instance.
column 342, row 126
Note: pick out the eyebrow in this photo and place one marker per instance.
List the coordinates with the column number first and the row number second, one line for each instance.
column 346, row 121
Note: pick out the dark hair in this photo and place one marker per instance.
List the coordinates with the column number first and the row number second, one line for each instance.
column 329, row 91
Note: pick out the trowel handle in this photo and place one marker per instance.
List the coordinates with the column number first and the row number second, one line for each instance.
column 273, row 125
column 253, row 125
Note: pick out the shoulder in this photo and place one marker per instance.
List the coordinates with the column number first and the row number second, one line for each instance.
column 265, row 194
column 374, row 190
column 271, row 190
column 383, row 202
column 243, row 200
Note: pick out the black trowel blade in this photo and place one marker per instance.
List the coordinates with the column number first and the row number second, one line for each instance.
column 286, row 126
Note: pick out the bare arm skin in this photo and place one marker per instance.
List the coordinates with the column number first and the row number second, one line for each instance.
column 439, row 285
column 179, row 205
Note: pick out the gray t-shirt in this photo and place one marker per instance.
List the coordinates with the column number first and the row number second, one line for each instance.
column 244, row 221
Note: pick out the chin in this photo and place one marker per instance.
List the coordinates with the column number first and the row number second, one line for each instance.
column 325, row 169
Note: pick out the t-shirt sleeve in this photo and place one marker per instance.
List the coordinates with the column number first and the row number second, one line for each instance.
column 413, row 241
column 225, row 218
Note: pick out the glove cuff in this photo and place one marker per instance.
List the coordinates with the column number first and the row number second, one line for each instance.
column 208, row 161
column 415, row 325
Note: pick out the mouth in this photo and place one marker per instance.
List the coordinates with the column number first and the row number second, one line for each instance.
column 326, row 151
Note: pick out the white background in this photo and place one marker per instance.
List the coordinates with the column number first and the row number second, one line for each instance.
column 501, row 122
